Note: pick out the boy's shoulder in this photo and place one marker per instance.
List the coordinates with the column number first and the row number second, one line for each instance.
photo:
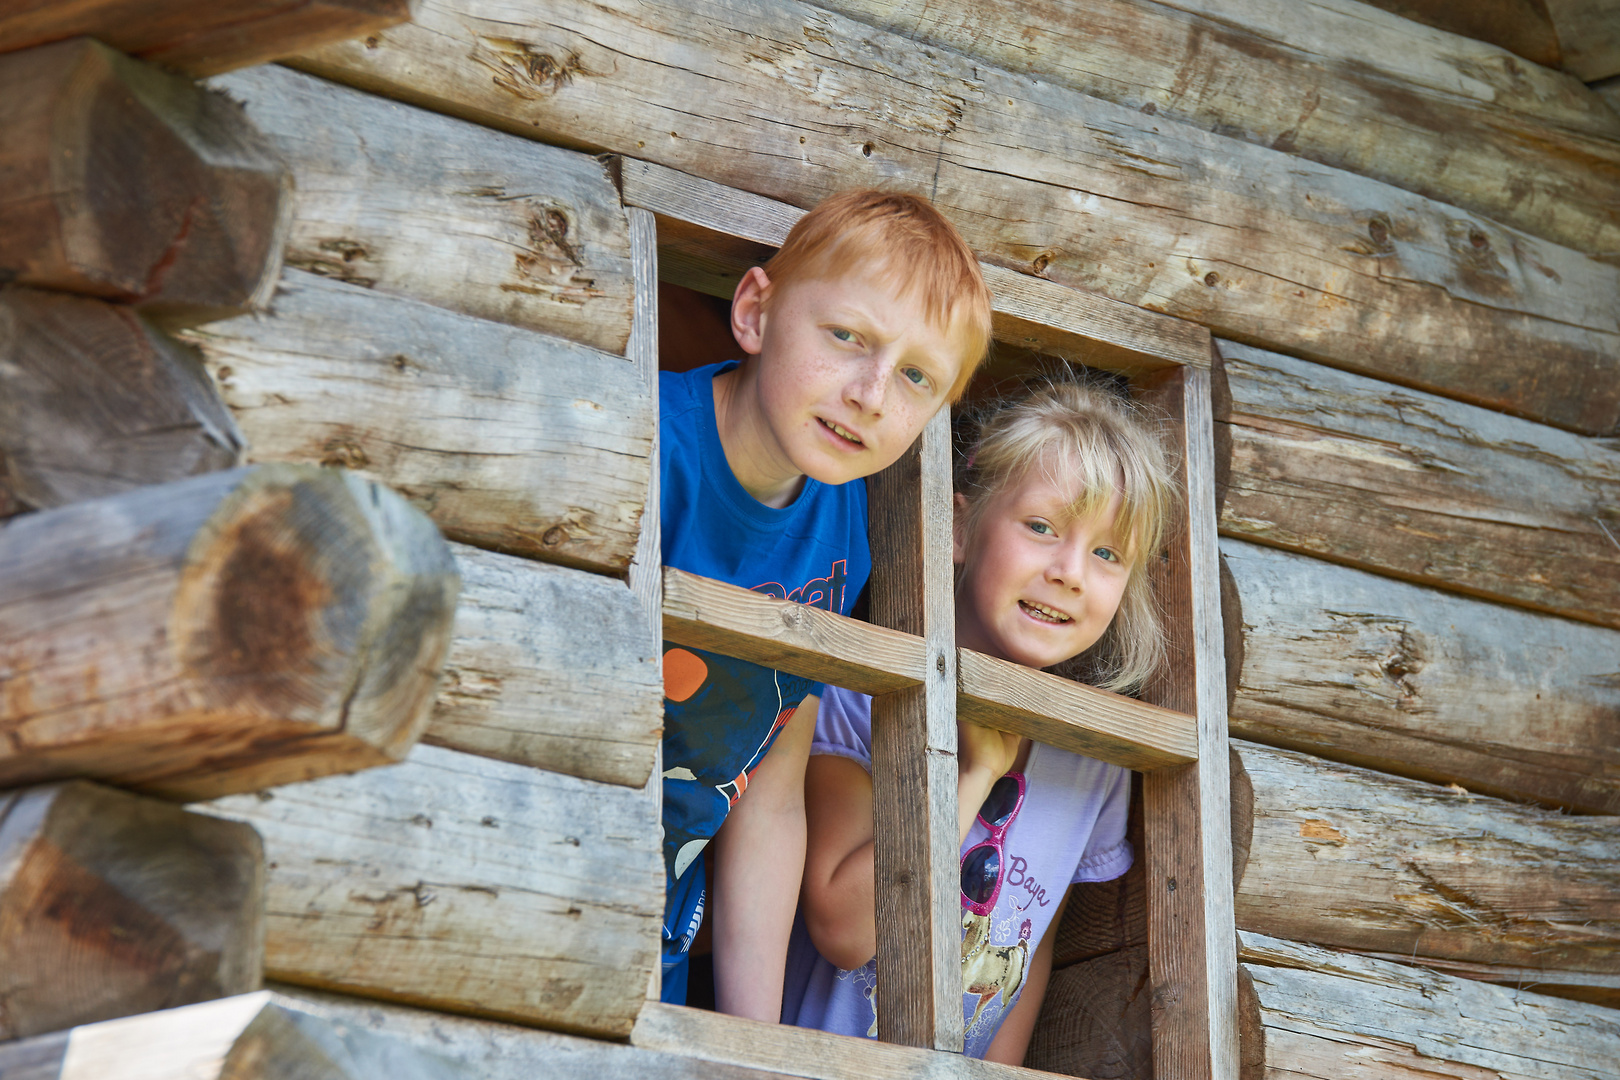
column 681, row 392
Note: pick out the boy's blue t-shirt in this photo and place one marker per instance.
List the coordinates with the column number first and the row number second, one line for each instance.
column 725, row 713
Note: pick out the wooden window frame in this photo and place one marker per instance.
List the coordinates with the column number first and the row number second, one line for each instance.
column 907, row 658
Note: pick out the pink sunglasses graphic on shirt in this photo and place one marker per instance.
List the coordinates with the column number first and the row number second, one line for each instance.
column 981, row 865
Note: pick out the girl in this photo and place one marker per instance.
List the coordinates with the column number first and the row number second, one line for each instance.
column 1058, row 500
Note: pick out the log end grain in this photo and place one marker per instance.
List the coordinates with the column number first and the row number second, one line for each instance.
column 113, row 904
column 1095, row 1020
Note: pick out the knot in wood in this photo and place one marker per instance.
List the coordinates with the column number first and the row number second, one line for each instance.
column 939, row 663
column 1212, row 279
column 554, row 536
column 795, row 617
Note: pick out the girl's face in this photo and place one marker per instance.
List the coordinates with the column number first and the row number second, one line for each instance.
column 1037, row 586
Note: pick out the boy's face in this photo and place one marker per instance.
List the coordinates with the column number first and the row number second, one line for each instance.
column 847, row 373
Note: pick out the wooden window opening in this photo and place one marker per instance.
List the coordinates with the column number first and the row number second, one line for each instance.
column 705, row 236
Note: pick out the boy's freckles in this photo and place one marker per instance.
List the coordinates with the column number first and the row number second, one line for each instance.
column 844, row 375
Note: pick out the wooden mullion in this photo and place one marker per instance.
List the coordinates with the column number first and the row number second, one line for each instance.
column 1191, row 929
column 919, row 992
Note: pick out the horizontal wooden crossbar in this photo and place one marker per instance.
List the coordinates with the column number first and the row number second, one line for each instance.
column 807, row 641
column 1026, row 311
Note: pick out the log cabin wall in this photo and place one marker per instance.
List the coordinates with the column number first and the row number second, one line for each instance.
column 1405, row 240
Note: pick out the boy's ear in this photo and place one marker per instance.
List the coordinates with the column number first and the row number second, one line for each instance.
column 959, row 526
column 748, row 310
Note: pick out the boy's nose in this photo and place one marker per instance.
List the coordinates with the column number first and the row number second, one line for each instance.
column 867, row 389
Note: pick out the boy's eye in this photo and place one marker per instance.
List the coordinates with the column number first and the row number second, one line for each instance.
column 843, row 335
column 917, row 376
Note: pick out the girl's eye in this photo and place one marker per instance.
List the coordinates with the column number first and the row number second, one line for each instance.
column 917, row 376
column 1043, row 528
column 1106, row 554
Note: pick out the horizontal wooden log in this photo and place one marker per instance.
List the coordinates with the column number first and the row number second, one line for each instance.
column 1588, row 36
column 1338, row 83
column 1072, row 716
column 1414, row 486
column 95, row 400
column 1360, row 860
column 112, row 904
column 492, row 1050
column 1599, row 988
column 508, row 439
column 1312, row 1012
column 1609, row 91
column 550, row 667
column 487, row 224
column 1257, row 244
column 258, row 1036
column 1358, row 668
column 815, row 1055
column 199, row 37
column 1095, row 1019
column 132, row 184
column 465, row 885
column 740, row 229
column 706, row 614
column 220, row 634
column 1522, row 27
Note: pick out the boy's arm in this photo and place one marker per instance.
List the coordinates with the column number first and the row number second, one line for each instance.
column 1012, row 1040
column 758, row 864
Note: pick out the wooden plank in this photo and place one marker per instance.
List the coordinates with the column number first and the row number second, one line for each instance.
column 465, row 885
column 1356, row 859
column 196, row 36
column 1027, row 311
column 1599, row 989
column 917, row 877
column 1588, row 36
column 1413, row 486
column 1317, row 1013
column 1187, row 808
column 1095, row 1019
column 94, row 401
column 797, row 638
column 129, row 183
column 509, row 439
column 220, row 634
column 816, row 1055
column 258, row 1036
column 492, row 1050
column 1339, row 83
column 112, row 904
column 1373, row 672
column 1072, row 716
column 487, row 225
column 1257, row 244
column 550, row 667
column 1519, row 26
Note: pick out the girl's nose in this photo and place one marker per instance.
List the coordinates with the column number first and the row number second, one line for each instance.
column 1068, row 568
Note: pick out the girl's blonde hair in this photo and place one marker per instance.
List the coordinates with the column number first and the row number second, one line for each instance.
column 1091, row 434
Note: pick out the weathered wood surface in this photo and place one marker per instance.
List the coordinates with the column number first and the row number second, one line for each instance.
column 1609, row 91
column 129, row 183
column 1358, row 668
column 1312, row 1012
column 1413, row 486
column 550, row 667
column 1356, row 859
column 486, row 224
column 199, row 37
column 112, row 904
column 508, row 439
column 1337, row 82
column 258, row 1036
column 465, row 885
column 95, row 400
column 917, row 882
column 1186, row 808
column 1522, row 27
column 1095, row 1020
column 815, row 1055
column 220, row 634
column 491, row 1050
column 1589, row 35
column 1256, row 244
column 711, row 234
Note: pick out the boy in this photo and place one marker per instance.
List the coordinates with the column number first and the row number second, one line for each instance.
column 868, row 321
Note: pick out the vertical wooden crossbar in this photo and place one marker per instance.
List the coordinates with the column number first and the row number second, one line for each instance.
column 914, row 755
column 1192, row 949
column 646, row 570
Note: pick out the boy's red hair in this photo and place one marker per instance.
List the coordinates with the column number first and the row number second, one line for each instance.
column 915, row 248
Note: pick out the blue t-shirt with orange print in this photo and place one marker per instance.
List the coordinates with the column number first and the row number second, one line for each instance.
column 720, row 714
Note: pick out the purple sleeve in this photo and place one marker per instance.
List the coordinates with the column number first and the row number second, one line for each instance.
column 1108, row 854
column 844, row 726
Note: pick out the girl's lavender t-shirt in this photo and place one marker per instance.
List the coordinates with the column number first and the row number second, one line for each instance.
column 1070, row 828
